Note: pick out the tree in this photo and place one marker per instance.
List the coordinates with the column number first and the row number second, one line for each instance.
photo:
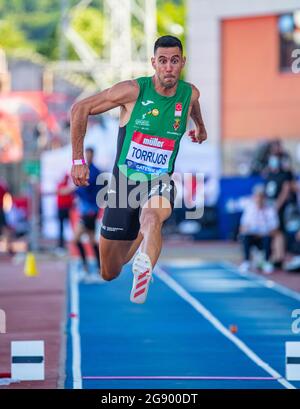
column 171, row 19
column 11, row 38
column 36, row 24
column 89, row 23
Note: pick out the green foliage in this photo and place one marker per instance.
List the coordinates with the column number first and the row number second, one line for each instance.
column 25, row 6
column 41, row 31
column 90, row 24
column 11, row 38
column 171, row 19
column 35, row 24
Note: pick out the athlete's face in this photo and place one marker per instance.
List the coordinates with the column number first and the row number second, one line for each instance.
column 89, row 155
column 168, row 63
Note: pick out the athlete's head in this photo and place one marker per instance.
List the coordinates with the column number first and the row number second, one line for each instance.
column 89, row 155
column 259, row 195
column 168, row 60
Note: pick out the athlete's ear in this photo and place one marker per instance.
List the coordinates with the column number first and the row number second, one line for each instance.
column 183, row 61
column 153, row 62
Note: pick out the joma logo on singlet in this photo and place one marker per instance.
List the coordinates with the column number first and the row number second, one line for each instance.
column 153, row 142
column 147, row 102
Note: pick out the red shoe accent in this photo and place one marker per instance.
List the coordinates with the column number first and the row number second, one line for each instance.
column 143, row 274
column 139, row 292
column 141, row 280
column 141, row 284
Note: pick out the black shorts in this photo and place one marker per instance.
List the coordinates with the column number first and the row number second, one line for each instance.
column 89, row 221
column 121, row 218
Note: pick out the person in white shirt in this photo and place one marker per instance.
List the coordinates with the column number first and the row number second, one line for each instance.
column 258, row 224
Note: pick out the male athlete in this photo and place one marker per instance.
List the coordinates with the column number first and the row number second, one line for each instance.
column 153, row 118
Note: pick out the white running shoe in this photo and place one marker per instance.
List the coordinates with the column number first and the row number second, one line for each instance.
column 267, row 268
column 142, row 274
column 244, row 267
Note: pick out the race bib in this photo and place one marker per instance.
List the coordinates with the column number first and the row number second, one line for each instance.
column 149, row 154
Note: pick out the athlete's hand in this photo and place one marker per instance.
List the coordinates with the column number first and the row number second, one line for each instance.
column 198, row 135
column 80, row 175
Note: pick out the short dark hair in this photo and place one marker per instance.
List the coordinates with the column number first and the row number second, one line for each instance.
column 167, row 41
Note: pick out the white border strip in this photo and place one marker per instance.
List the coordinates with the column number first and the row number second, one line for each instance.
column 264, row 281
column 163, row 276
column 76, row 351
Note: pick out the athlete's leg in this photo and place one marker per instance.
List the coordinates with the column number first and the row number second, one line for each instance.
column 119, row 239
column 133, row 248
column 113, row 255
column 155, row 211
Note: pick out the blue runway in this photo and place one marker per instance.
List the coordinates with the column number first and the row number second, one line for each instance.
column 181, row 331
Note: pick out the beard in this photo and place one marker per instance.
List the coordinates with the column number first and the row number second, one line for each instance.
column 170, row 83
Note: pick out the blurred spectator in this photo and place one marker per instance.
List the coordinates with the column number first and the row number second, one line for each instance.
column 17, row 220
column 41, row 135
column 287, row 168
column 3, row 190
column 260, row 161
column 258, row 224
column 278, row 188
column 4, row 228
column 277, row 149
column 65, row 199
column 88, row 210
column 292, row 219
column 293, row 265
column 65, row 133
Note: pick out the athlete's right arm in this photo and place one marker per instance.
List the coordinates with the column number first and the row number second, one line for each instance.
column 120, row 94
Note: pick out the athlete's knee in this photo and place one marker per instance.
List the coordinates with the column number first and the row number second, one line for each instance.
column 150, row 220
column 109, row 273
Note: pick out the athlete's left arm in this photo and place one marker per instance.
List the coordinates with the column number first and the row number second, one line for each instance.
column 199, row 133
